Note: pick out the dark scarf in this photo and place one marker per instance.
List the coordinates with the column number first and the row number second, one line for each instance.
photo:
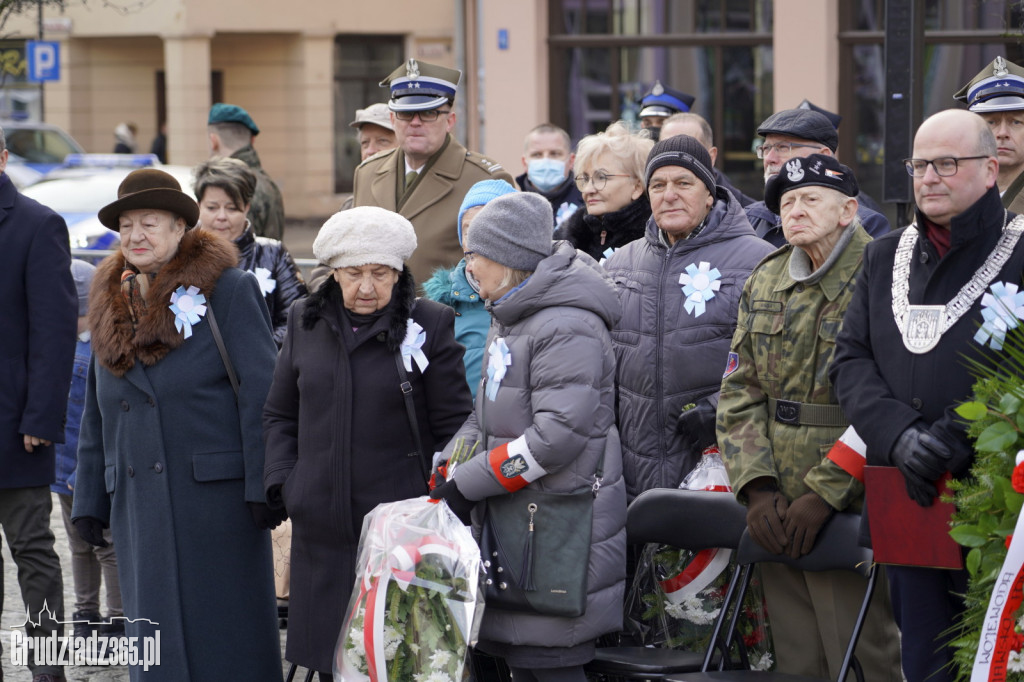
column 617, row 228
column 328, row 297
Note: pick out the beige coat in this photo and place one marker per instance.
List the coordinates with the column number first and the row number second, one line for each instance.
column 433, row 205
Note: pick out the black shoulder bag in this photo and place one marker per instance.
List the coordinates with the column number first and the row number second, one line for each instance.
column 410, row 410
column 535, row 547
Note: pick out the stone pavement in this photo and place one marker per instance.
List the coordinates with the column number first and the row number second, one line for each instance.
column 14, row 614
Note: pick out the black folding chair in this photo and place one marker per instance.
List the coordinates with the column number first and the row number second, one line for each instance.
column 687, row 519
column 836, row 549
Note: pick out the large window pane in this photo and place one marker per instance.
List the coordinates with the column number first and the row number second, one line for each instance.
column 360, row 63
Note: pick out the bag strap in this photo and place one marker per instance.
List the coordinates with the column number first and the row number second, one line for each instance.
column 410, row 410
column 219, row 340
column 482, row 424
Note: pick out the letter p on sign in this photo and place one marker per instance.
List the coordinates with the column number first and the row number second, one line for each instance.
column 43, row 60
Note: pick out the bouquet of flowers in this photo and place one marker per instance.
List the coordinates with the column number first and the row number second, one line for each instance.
column 418, row 598
column 677, row 594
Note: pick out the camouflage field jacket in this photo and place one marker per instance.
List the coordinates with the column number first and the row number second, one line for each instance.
column 782, row 348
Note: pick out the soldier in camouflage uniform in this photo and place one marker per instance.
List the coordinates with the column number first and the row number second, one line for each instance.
column 778, row 417
column 231, row 132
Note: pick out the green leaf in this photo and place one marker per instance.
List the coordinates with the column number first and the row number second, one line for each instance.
column 973, row 561
column 997, row 438
column 972, row 411
column 1009, row 404
column 968, row 536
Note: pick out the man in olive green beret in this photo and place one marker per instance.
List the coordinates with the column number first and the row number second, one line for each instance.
column 997, row 95
column 232, row 130
column 426, row 177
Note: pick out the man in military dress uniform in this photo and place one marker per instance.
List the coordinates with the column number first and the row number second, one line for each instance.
column 997, row 95
column 778, row 416
column 231, row 131
column 898, row 380
column 659, row 103
column 426, row 177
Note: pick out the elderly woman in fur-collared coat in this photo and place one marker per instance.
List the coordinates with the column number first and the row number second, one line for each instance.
column 168, row 455
column 339, row 439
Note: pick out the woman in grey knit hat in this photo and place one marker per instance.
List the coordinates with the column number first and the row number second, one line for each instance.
column 546, row 401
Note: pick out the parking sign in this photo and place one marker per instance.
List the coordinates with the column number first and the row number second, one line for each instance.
column 43, row 60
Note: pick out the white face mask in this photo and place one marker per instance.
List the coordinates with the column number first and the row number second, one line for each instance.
column 546, row 174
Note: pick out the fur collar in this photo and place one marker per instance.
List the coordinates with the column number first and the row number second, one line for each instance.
column 201, row 259
column 403, row 299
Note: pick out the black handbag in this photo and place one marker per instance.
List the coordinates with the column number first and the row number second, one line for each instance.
column 535, row 547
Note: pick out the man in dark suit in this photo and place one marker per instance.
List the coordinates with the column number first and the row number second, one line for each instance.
column 38, row 328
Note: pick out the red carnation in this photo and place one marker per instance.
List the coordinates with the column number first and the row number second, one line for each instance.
column 1018, row 478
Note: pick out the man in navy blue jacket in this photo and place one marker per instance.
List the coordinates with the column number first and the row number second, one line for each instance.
column 38, row 327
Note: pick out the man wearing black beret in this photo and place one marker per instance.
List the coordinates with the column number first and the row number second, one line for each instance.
column 778, row 412
column 794, row 133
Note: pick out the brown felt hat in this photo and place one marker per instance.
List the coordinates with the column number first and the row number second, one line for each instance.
column 150, row 188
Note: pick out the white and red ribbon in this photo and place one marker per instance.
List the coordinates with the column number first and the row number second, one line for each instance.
column 997, row 630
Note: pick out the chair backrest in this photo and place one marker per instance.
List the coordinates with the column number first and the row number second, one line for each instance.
column 690, row 519
column 836, row 548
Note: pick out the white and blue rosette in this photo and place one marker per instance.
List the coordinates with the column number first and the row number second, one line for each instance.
column 499, row 358
column 1002, row 308
column 266, row 282
column 412, row 347
column 188, row 305
column 699, row 284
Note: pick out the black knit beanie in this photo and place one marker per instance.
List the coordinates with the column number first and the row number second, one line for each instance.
column 685, row 151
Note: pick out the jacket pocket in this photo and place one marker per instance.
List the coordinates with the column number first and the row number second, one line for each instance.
column 766, row 341
column 218, row 466
column 109, row 477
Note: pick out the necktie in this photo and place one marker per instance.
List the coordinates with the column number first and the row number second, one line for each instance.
column 410, row 178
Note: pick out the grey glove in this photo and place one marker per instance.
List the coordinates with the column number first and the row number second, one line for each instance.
column 922, row 459
column 766, row 514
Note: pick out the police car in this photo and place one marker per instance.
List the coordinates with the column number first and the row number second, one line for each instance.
column 34, row 149
column 85, row 183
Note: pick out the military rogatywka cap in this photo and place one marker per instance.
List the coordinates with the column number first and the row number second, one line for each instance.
column 419, row 86
column 998, row 87
column 662, row 101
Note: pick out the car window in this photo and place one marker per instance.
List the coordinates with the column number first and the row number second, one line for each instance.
column 39, row 146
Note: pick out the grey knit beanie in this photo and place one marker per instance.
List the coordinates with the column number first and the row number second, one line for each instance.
column 513, row 230
column 685, row 151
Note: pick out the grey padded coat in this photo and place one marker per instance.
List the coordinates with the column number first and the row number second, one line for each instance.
column 669, row 356
column 556, row 404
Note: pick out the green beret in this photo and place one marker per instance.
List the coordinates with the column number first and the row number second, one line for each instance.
column 232, row 113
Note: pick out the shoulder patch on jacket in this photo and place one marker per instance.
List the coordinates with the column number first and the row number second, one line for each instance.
column 733, row 363
column 489, row 165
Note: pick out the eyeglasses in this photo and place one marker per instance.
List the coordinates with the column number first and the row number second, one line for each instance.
column 470, row 256
column 426, row 116
column 600, row 179
column 783, row 148
column 944, row 166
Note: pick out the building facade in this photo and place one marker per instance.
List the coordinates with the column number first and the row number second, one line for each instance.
column 303, row 68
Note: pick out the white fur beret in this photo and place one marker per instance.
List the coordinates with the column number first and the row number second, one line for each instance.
column 365, row 235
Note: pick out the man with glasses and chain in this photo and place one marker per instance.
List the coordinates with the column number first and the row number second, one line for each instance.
column 426, row 177
column 798, row 132
column 917, row 317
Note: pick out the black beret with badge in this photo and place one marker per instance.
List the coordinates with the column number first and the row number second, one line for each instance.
column 420, row 86
column 804, row 171
column 997, row 87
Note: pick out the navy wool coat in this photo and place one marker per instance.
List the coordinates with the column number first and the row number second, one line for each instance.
column 38, row 310
column 169, row 457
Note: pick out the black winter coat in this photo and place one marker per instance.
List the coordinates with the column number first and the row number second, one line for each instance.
column 884, row 388
column 281, row 282
column 339, row 441
column 584, row 231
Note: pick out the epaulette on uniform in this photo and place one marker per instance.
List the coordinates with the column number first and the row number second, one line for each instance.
column 489, row 165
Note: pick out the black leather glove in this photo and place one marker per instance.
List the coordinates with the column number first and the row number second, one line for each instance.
column 275, row 499
column 457, row 502
column 90, row 529
column 264, row 517
column 766, row 514
column 806, row 516
column 696, row 427
column 922, row 459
